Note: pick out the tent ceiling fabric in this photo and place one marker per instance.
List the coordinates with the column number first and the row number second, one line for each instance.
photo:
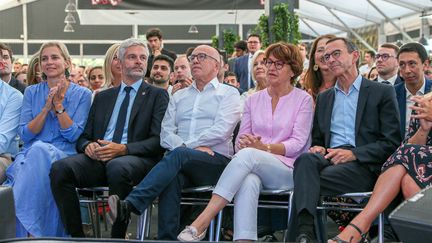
column 315, row 15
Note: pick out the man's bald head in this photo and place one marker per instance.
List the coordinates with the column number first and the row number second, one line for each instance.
column 205, row 63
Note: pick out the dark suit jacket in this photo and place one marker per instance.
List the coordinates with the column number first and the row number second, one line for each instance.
column 397, row 81
column 151, row 57
column 377, row 132
column 401, row 98
column 18, row 85
column 145, row 120
column 241, row 71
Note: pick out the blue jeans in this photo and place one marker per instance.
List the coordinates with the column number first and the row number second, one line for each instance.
column 182, row 167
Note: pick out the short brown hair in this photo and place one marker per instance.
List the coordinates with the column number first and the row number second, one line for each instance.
column 391, row 46
column 288, row 53
column 7, row 48
column 154, row 32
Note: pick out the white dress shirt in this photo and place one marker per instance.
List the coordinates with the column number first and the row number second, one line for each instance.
column 410, row 103
column 202, row 118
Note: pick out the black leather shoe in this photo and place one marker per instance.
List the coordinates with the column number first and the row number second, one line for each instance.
column 119, row 216
column 304, row 238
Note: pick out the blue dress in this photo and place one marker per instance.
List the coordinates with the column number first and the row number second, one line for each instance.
column 36, row 210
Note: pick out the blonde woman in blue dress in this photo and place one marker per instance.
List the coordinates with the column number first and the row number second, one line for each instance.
column 53, row 116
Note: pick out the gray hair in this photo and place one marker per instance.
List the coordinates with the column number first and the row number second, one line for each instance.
column 128, row 43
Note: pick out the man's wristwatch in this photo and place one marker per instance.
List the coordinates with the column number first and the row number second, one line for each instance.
column 60, row 111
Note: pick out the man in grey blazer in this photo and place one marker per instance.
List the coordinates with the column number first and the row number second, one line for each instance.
column 355, row 129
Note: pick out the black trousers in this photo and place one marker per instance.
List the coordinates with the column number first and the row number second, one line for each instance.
column 120, row 174
column 314, row 176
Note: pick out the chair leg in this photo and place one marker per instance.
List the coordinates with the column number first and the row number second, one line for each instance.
column 211, row 230
column 381, row 228
column 142, row 228
column 218, row 225
column 148, row 223
column 321, row 223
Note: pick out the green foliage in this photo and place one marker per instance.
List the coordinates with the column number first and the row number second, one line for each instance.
column 215, row 41
column 262, row 29
column 229, row 39
column 285, row 26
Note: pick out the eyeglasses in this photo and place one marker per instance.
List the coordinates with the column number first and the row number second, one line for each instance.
column 278, row 64
column 201, row 57
column 384, row 56
column 335, row 54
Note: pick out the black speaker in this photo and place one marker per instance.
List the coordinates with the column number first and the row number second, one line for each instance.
column 7, row 213
column 412, row 220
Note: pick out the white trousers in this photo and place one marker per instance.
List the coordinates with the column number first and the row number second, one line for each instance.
column 249, row 171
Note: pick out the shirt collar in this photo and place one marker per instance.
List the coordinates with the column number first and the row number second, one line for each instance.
column 392, row 80
column 135, row 86
column 356, row 85
column 214, row 82
column 421, row 91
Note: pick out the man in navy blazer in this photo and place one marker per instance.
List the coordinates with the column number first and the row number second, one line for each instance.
column 243, row 64
column 413, row 59
column 349, row 142
column 120, row 143
column 387, row 64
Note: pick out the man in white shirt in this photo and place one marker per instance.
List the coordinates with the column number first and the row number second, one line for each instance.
column 197, row 131
column 10, row 109
column 413, row 59
column 161, row 71
column 387, row 64
column 369, row 58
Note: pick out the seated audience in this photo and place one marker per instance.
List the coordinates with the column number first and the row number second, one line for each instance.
column 112, row 67
column 96, row 78
column 197, row 131
column 34, row 75
column 231, row 79
column 265, row 158
column 161, row 71
column 53, row 116
column 387, row 64
column 407, row 170
column 369, row 61
column 120, row 142
column 10, row 108
column 258, row 73
column 6, row 69
column 373, row 73
column 349, row 142
column 182, row 74
column 318, row 76
column 412, row 59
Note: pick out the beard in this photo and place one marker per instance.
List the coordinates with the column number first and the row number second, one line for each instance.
column 158, row 81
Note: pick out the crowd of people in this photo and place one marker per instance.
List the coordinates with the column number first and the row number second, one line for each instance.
column 149, row 122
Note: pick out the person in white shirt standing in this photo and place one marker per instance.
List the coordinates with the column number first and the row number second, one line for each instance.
column 369, row 58
column 197, row 131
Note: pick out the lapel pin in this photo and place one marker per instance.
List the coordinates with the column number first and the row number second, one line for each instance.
column 143, row 93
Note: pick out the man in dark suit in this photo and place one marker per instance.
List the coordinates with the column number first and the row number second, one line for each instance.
column 154, row 42
column 413, row 58
column 120, row 142
column 387, row 64
column 243, row 63
column 6, row 69
column 349, row 140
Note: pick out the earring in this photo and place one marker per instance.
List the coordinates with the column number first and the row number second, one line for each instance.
column 315, row 67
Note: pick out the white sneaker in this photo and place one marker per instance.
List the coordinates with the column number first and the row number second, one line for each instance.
column 190, row 234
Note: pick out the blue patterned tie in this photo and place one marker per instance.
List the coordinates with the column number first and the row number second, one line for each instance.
column 121, row 118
